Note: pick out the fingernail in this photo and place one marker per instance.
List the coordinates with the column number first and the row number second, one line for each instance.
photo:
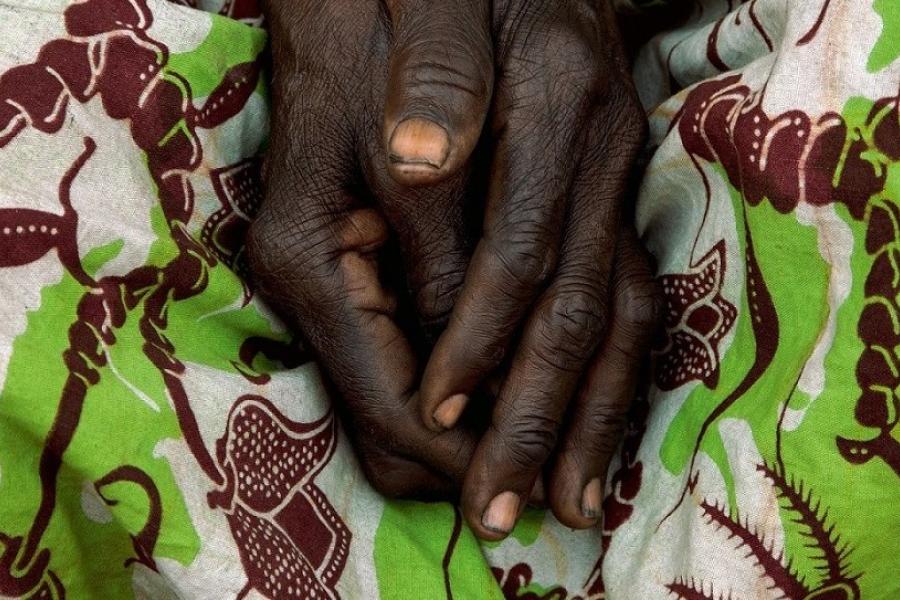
column 419, row 142
column 592, row 498
column 500, row 515
column 447, row 413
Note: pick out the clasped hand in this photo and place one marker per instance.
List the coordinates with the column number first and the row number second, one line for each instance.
column 490, row 145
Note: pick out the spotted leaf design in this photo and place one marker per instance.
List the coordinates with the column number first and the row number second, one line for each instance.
column 274, row 564
column 277, row 513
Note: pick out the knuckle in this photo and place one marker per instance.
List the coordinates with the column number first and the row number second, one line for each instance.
column 446, row 44
column 453, row 70
column 605, row 419
column 576, row 57
column 573, row 55
column 292, row 251
column 572, row 322
column 280, row 244
column 629, row 121
column 483, row 344
column 527, row 262
column 641, row 302
column 557, row 61
column 602, row 429
column 528, row 439
column 435, row 296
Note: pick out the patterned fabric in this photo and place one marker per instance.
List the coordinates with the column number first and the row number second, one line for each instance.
column 163, row 436
column 766, row 460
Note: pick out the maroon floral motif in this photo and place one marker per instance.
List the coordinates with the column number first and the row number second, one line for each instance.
column 144, row 541
column 766, row 332
column 792, row 158
column 39, row 582
column 697, row 318
column 292, row 542
column 228, row 98
column 290, row 355
column 26, row 235
column 239, row 191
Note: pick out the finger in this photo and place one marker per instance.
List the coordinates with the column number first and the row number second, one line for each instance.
column 542, row 99
column 566, row 325
column 558, row 340
column 599, row 413
column 312, row 252
column 431, row 234
column 560, row 336
column 439, row 87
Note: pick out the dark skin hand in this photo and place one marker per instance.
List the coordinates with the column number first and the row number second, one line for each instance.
column 378, row 106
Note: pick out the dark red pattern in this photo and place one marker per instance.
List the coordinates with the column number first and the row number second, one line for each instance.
column 277, row 513
column 697, row 319
column 109, row 55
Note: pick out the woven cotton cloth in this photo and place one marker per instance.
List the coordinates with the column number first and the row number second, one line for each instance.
column 162, row 435
column 768, row 461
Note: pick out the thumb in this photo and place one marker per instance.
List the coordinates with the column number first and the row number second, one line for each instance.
column 439, row 86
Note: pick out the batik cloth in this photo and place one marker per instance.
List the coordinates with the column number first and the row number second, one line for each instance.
column 767, row 462
column 162, row 435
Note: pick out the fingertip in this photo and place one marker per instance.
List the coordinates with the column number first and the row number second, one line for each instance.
column 491, row 503
column 575, row 497
column 440, row 84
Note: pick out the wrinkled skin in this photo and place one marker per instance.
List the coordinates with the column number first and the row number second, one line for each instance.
column 379, row 106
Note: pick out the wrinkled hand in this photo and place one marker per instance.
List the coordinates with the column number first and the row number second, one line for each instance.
column 559, row 417
column 331, row 206
column 566, row 127
column 377, row 110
